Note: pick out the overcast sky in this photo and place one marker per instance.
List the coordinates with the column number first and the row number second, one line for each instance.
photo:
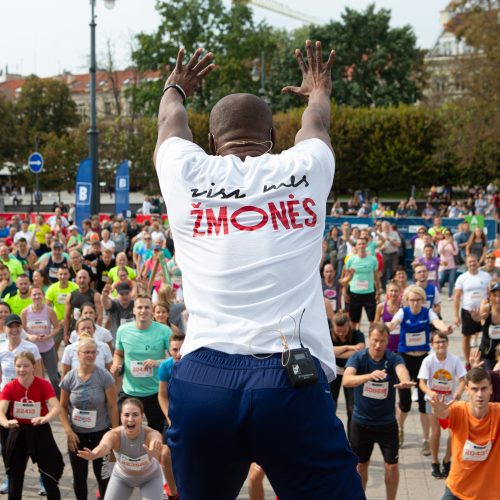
column 48, row 36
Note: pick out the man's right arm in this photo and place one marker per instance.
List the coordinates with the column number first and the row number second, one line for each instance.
column 316, row 86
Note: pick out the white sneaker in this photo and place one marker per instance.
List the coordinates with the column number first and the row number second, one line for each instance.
column 414, row 394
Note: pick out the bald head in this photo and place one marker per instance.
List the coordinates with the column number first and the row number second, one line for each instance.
column 240, row 116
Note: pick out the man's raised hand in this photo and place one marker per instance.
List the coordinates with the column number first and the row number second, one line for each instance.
column 316, row 75
column 188, row 77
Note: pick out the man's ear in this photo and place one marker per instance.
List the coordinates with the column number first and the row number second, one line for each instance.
column 211, row 144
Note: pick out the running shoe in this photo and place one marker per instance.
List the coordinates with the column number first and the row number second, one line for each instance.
column 426, row 449
column 414, row 394
column 401, row 436
column 42, row 492
column 436, row 470
column 445, row 471
column 4, row 487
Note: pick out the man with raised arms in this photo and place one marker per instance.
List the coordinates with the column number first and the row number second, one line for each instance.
column 248, row 228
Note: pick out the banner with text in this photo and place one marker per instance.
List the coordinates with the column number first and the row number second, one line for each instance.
column 83, row 191
column 122, row 188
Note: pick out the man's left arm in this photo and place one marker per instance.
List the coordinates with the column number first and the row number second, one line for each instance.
column 182, row 82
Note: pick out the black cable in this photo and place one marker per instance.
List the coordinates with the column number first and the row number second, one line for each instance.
column 300, row 321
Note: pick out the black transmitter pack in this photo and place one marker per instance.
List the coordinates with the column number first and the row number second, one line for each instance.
column 300, row 368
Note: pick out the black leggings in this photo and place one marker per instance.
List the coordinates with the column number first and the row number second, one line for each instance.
column 335, row 386
column 15, row 473
column 413, row 364
column 80, row 466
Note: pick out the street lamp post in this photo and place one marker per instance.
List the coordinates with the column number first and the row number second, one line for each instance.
column 93, row 133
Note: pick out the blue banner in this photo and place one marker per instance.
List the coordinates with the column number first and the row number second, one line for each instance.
column 122, row 188
column 83, row 191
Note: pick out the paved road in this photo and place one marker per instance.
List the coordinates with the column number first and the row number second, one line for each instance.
column 416, row 480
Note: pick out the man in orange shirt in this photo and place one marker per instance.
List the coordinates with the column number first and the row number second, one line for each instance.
column 475, row 435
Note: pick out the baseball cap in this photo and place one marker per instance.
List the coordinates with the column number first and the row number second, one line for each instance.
column 495, row 286
column 12, row 318
column 73, row 227
column 57, row 245
column 123, row 288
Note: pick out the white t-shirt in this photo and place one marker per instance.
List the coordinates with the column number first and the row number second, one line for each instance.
column 474, row 288
column 442, row 376
column 101, row 334
column 7, row 358
column 108, row 245
column 248, row 238
column 70, row 355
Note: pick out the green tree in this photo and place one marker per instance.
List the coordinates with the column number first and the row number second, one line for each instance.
column 230, row 33
column 376, row 65
column 8, row 130
column 472, row 138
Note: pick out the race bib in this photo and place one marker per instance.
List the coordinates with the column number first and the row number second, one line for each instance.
column 395, row 332
column 362, row 285
column 340, row 370
column 139, row 370
column 416, row 339
column 38, row 326
column 83, row 418
column 432, row 276
column 475, row 452
column 26, row 410
column 134, row 464
column 476, row 297
column 61, row 298
column 494, row 332
column 76, row 313
column 3, row 337
column 53, row 272
column 104, row 278
column 125, row 320
column 376, row 390
column 442, row 386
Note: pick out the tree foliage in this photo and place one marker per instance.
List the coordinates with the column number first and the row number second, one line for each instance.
column 472, row 135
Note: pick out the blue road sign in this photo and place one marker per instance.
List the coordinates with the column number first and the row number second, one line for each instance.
column 35, row 162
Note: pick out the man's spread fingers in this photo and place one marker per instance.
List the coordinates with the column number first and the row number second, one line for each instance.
column 290, row 90
column 331, row 60
column 207, row 70
column 180, row 57
column 319, row 55
column 194, row 59
column 201, row 64
column 300, row 60
column 309, row 50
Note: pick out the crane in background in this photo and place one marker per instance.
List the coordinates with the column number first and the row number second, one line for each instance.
column 281, row 9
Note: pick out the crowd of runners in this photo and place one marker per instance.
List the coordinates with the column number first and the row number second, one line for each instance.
column 112, row 296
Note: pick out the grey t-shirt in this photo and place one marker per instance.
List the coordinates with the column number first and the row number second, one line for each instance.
column 88, row 397
column 120, row 315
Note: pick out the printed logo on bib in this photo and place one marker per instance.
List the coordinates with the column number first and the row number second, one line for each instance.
column 432, row 276
column 134, row 464
column 494, row 332
column 26, row 409
column 475, row 452
column 416, row 339
column 330, row 294
column 442, row 382
column 83, row 418
column 376, row 390
column 139, row 370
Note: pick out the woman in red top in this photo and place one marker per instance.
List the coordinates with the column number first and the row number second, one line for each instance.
column 24, row 411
